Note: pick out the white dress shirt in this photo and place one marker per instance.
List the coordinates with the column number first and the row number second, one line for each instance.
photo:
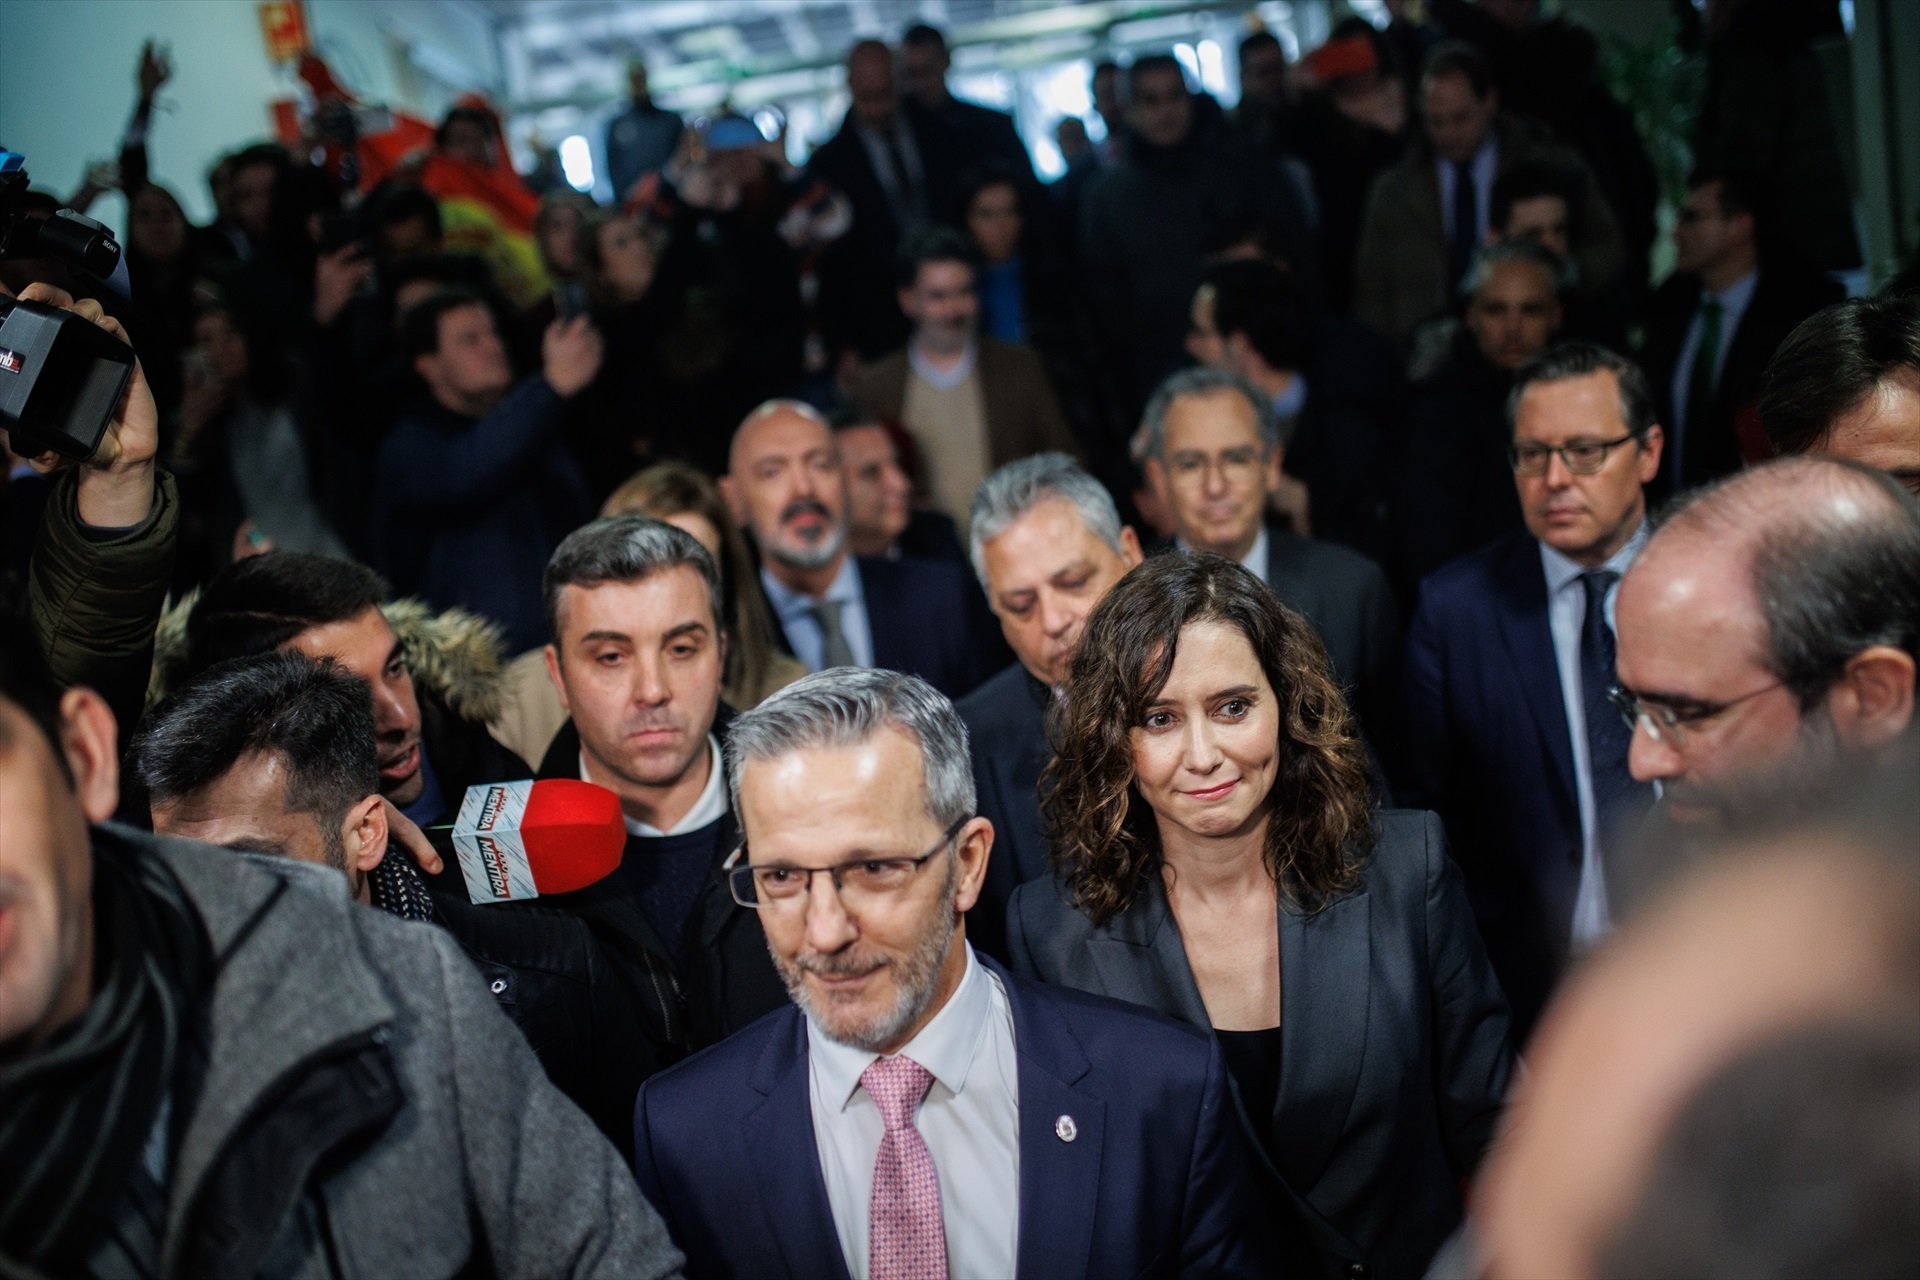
column 1483, row 168
column 707, row 809
column 1254, row 562
column 1566, row 616
column 970, row 1121
column 795, row 612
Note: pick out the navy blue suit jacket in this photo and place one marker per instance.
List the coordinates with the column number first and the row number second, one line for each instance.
column 924, row 622
column 1157, row 1182
column 1006, row 721
column 1490, row 751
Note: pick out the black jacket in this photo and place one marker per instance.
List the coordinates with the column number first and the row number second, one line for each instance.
column 721, row 980
column 1006, row 721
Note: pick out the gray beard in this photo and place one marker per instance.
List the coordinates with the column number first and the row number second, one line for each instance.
column 818, row 556
column 917, row 976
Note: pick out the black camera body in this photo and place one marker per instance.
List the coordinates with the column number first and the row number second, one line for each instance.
column 60, row 375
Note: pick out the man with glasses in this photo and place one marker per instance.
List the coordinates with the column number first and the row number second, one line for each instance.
column 921, row 1112
column 1771, row 626
column 1509, row 663
column 1214, row 451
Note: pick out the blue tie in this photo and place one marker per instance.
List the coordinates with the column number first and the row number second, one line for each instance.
column 1616, row 796
column 1466, row 223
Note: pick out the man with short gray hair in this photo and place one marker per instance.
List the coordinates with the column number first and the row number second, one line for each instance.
column 1215, row 447
column 920, row 1111
column 637, row 654
column 1047, row 543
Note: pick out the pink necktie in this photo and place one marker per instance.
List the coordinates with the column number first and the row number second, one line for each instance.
column 905, row 1237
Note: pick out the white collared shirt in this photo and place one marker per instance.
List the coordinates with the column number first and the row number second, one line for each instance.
column 795, row 611
column 1566, row 616
column 707, row 809
column 1483, row 169
column 970, row 1121
column 1254, row 562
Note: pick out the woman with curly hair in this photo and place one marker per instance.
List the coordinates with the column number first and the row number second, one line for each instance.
column 1219, row 861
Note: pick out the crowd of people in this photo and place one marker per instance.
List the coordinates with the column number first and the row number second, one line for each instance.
column 1134, row 702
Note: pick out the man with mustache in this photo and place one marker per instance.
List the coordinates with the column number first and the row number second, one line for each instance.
column 921, row 1112
column 1770, row 629
column 1511, row 737
column 638, row 654
column 429, row 754
column 786, row 484
column 972, row 403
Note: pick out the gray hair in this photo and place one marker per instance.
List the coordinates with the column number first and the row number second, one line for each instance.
column 626, row 549
column 1205, row 382
column 1577, row 360
column 1503, row 253
column 847, row 706
column 1019, row 487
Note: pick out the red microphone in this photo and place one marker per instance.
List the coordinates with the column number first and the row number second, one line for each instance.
column 518, row 840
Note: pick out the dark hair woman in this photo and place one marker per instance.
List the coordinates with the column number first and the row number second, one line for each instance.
column 1219, row 861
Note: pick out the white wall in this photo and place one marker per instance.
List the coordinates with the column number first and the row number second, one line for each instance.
column 67, row 77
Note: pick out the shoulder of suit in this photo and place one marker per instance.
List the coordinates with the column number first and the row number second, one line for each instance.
column 1150, row 1036
column 1397, row 866
column 1348, row 566
column 998, row 702
column 1474, row 573
column 728, row 1062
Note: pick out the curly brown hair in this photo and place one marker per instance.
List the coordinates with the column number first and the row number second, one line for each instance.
column 1104, row 839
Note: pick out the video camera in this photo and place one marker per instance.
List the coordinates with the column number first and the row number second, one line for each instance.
column 60, row 374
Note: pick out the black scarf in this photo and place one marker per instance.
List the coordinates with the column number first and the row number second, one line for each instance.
column 76, row 1114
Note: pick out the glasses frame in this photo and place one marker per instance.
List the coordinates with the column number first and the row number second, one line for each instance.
column 734, row 870
column 1606, row 448
column 1666, row 725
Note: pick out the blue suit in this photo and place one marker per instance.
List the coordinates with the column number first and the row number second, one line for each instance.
column 1490, row 751
column 1157, row 1181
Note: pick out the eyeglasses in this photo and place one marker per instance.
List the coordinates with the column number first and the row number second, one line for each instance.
column 859, row 881
column 1668, row 723
column 1236, row 465
column 1582, row 457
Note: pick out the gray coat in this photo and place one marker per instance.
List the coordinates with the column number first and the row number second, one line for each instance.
column 367, row 1110
column 1395, row 1058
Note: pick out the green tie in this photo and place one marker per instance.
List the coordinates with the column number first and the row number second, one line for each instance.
column 1700, row 381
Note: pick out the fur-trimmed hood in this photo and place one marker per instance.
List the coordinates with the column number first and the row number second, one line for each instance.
column 455, row 655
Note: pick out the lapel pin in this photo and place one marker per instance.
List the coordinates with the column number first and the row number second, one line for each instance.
column 1065, row 1129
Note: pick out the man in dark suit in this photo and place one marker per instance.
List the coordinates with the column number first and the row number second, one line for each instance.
column 1214, row 452
column 637, row 656
column 1714, row 324
column 1047, row 545
column 1509, row 661
column 786, row 486
column 986, row 133
column 897, row 165
column 972, row 403
column 921, row 1112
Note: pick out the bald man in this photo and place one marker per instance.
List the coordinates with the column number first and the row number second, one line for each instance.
column 1771, row 624
column 1814, row 922
column 787, row 487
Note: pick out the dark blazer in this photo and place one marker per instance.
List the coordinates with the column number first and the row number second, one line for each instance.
column 1781, row 300
column 1023, row 417
column 857, row 306
column 1006, row 721
column 1490, row 751
column 1395, row 1056
column 1348, row 599
column 1157, row 1182
column 925, row 622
